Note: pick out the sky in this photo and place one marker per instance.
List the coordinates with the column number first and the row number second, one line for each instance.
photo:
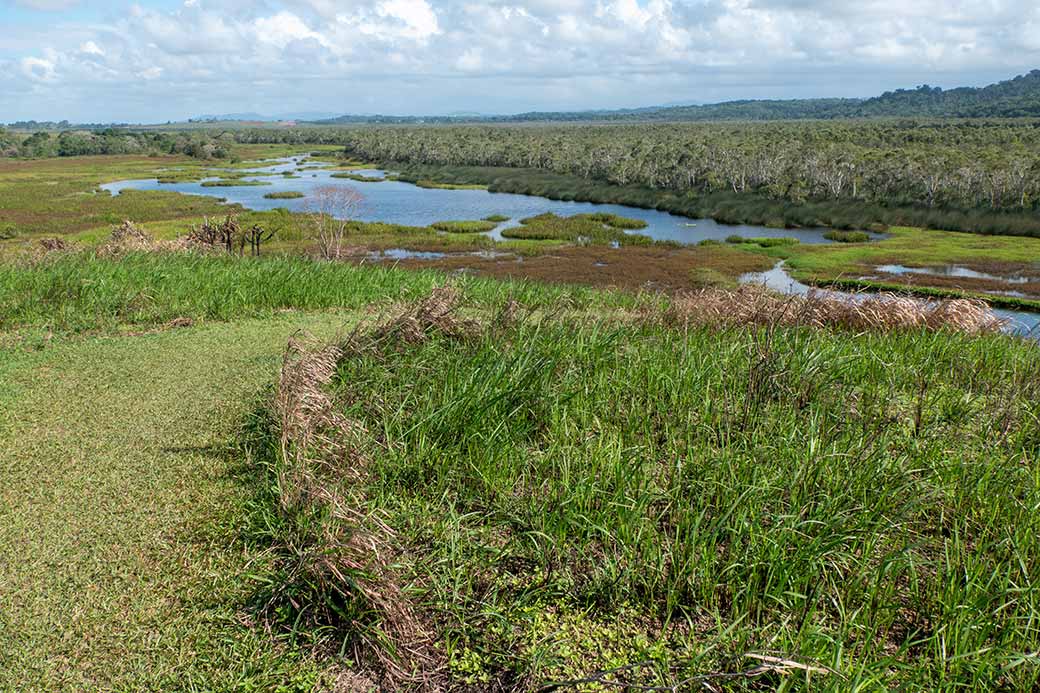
column 160, row 60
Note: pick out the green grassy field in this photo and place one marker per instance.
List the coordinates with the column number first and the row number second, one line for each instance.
column 545, row 481
column 556, row 498
column 585, row 487
column 911, row 247
column 124, row 561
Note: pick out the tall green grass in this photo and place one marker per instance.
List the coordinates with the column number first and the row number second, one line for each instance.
column 85, row 291
column 569, row 496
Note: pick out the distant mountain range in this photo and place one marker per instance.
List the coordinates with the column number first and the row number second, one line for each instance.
column 1014, row 98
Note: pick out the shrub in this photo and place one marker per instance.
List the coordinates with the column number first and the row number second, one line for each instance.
column 847, row 236
column 773, row 242
column 233, row 183
column 463, row 226
column 615, row 221
column 287, row 195
column 356, row 177
column 764, row 242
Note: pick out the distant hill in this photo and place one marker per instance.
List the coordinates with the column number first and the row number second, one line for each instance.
column 1014, row 98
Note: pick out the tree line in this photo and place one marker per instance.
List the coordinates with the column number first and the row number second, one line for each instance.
column 969, row 165
column 42, row 143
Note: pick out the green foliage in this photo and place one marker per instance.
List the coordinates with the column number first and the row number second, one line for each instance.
column 356, row 177
column 233, row 183
column 580, row 228
column 464, row 226
column 286, row 195
column 847, row 236
column 790, row 488
column 83, row 291
column 497, row 218
column 847, row 175
column 764, row 242
column 617, row 222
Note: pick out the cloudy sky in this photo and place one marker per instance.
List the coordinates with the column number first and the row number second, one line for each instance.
column 155, row 60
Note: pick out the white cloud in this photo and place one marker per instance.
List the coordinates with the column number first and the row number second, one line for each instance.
column 283, row 28
column 38, row 69
column 501, row 55
column 47, row 5
column 91, row 48
column 471, row 60
column 391, row 20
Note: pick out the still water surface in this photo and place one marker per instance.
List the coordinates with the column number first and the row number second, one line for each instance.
column 403, row 203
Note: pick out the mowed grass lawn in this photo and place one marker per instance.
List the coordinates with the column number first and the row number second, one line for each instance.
column 121, row 566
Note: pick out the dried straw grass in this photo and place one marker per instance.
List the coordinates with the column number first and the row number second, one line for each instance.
column 751, row 305
column 352, row 552
column 436, row 314
column 54, row 245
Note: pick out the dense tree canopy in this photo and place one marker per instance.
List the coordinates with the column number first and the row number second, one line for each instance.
column 980, row 164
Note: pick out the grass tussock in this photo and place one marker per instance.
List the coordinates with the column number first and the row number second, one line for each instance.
column 233, row 183
column 847, row 236
column 285, row 195
column 86, row 290
column 752, row 305
column 464, row 226
column 762, row 242
column 338, row 561
column 357, row 177
column 580, row 228
column 545, row 498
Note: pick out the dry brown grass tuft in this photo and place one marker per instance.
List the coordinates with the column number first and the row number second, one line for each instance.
column 54, row 245
column 750, row 305
column 128, row 238
column 434, row 314
column 350, row 552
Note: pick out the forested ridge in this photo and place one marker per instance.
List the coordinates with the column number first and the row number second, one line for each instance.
column 1014, row 98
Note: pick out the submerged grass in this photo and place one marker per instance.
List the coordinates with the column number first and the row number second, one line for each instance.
column 555, row 497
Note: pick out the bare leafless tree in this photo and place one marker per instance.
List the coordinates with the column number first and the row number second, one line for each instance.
column 331, row 210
